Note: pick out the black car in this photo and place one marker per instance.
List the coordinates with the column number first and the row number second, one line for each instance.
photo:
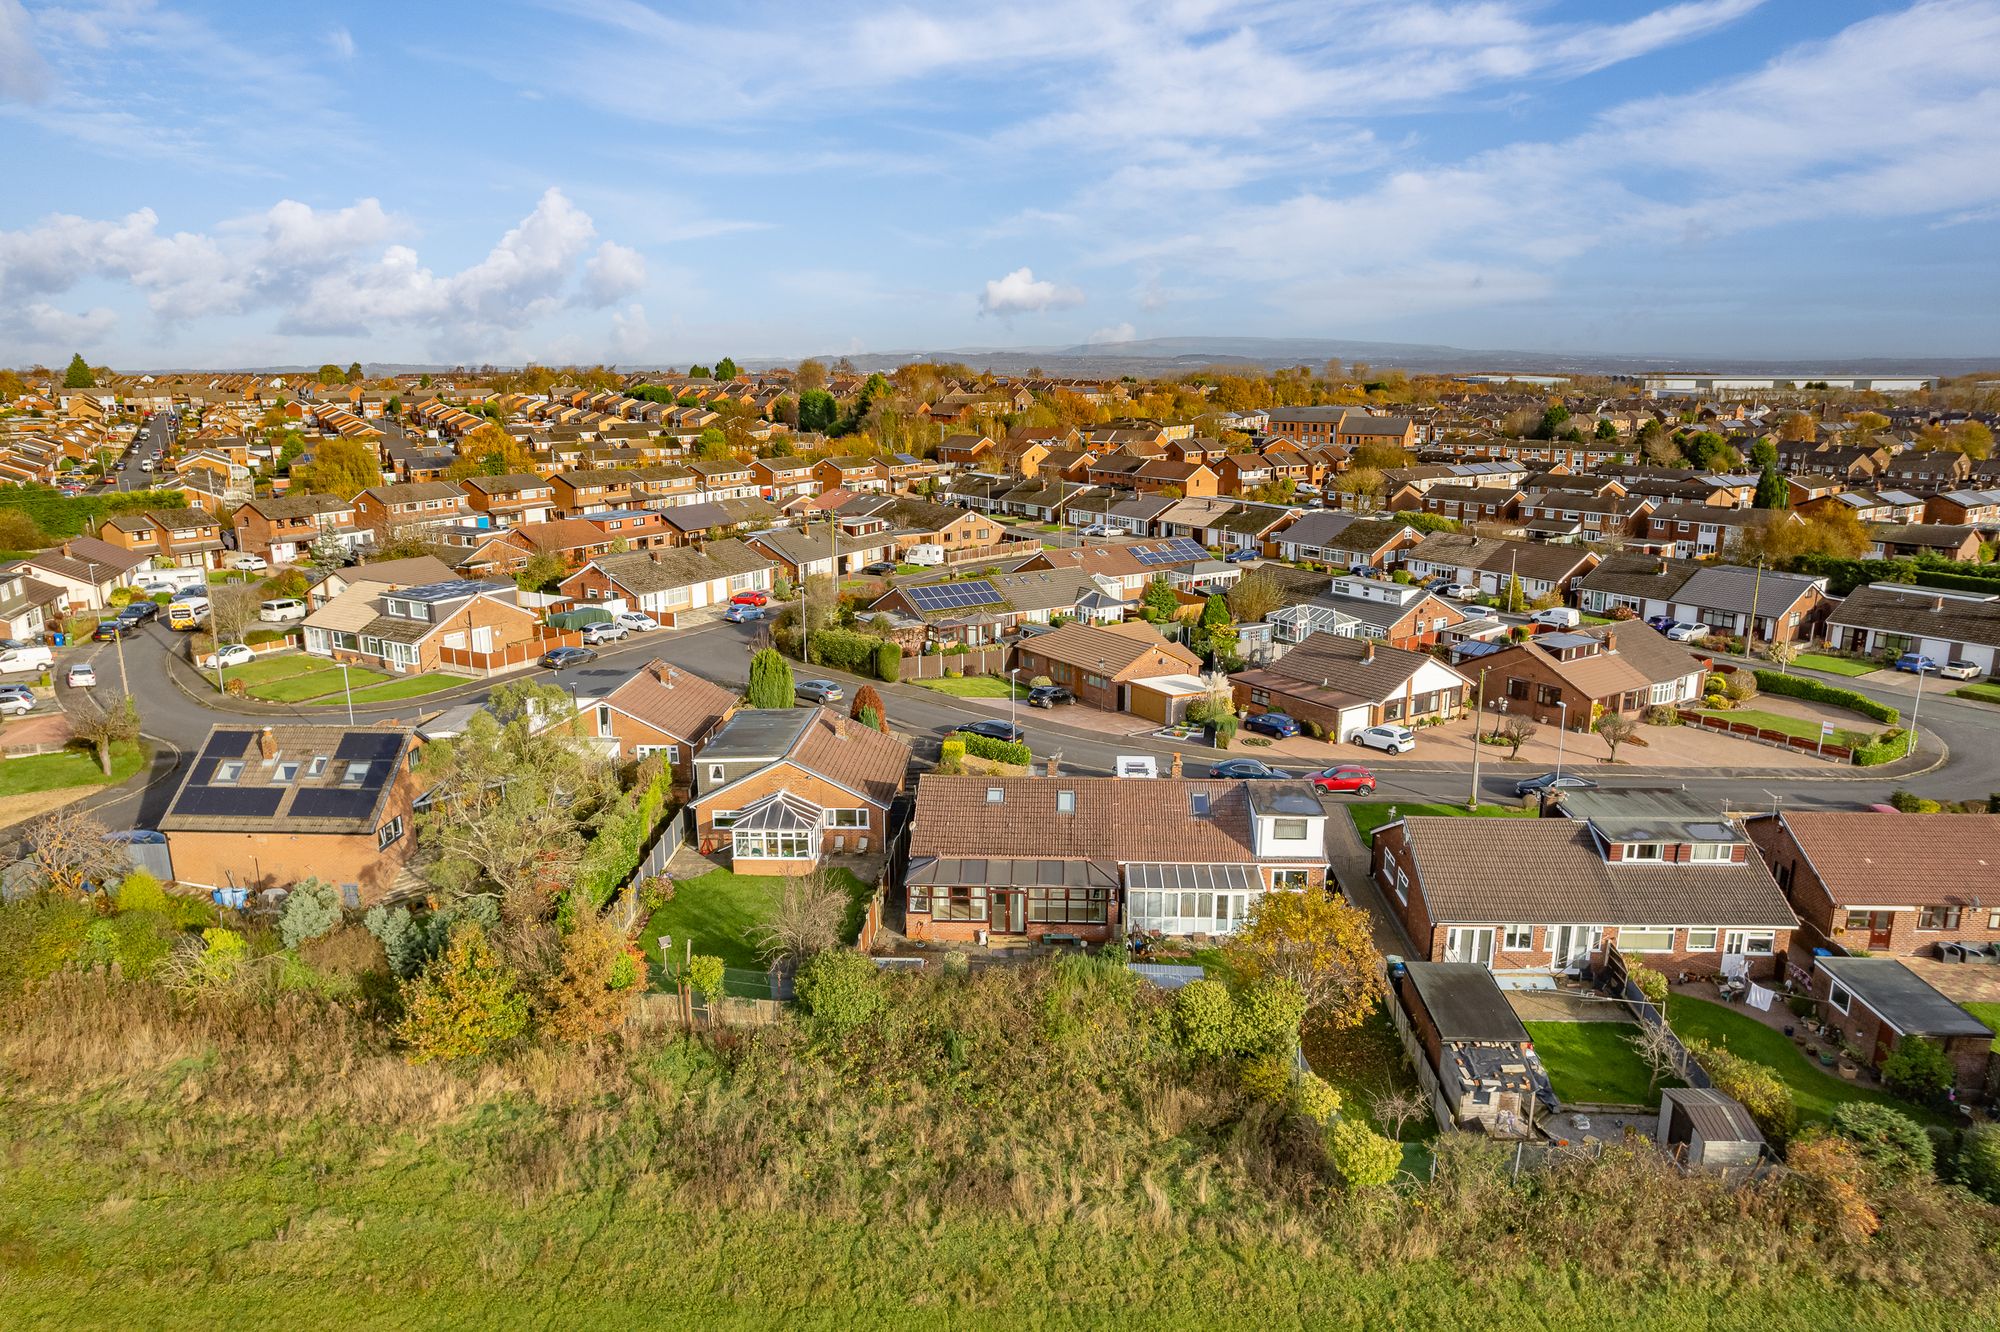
column 1548, row 782
column 880, row 567
column 1047, row 696
column 562, row 658
column 1250, row 770
column 140, row 611
column 996, row 730
column 113, row 629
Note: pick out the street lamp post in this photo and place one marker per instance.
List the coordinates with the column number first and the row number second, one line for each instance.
column 347, row 685
column 1012, row 688
column 1562, row 725
column 1915, row 708
column 1478, row 706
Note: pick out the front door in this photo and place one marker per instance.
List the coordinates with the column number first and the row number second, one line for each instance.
column 1570, row 946
column 1881, row 927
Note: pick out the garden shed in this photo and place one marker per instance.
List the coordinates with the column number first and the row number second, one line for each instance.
column 1707, row 1130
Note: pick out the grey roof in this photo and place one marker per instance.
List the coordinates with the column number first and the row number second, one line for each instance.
column 1496, row 871
column 1344, row 665
column 1944, row 535
column 1922, row 611
column 1715, row 1117
column 1639, row 815
column 757, row 733
column 1733, row 588
column 1012, row 873
column 1465, row 1002
column 1340, row 531
column 643, row 571
column 1902, row 998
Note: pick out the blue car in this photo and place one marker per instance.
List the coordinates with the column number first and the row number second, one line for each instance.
column 1917, row 663
column 742, row 614
column 1274, row 724
column 1243, row 556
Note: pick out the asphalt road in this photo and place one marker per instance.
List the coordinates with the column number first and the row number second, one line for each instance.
column 151, row 441
column 178, row 708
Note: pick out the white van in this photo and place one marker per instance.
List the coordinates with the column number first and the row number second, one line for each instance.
column 926, row 555
column 16, row 655
column 280, row 609
column 1558, row 617
column 187, row 613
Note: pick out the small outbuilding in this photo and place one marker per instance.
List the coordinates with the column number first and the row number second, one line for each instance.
column 1487, row 1071
column 1706, row 1130
column 1877, row 1003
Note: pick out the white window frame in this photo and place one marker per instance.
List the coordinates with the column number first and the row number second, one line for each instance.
column 845, row 818
column 1638, row 850
column 1703, row 941
column 1840, row 996
column 1517, row 938
column 1736, row 943
column 643, row 752
column 1462, row 943
column 723, row 819
column 1626, row 944
column 1710, row 853
column 389, row 833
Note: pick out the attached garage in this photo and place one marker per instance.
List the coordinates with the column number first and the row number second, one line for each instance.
column 1164, row 698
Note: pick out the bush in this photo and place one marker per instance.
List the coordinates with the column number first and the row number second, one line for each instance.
column 1911, row 803
column 1205, row 1018
column 1887, row 747
column 311, row 910
column 1741, row 686
column 951, row 755
column 1266, row 1078
column 1267, row 1017
column 953, row 673
column 1919, row 1071
column 136, row 942
column 463, row 1004
column 704, row 973
column 1660, row 714
column 852, row 651
column 1000, row 751
column 1040, row 682
column 1886, row 1137
column 1364, row 1158
column 840, row 989
column 888, row 660
column 1761, row 1092
column 1316, row 1098
column 1799, row 686
column 142, row 892
column 1978, row 1166
column 1651, row 983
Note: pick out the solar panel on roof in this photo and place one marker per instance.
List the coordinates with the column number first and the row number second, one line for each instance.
column 1176, row 551
column 250, row 802
column 370, row 745
column 334, row 802
column 929, row 597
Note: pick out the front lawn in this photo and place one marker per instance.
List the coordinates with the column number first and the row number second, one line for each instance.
column 309, row 686
column 1979, row 693
column 1816, row 1091
column 1594, row 1063
column 76, row 766
column 1370, row 815
column 1819, row 661
column 721, row 910
column 1804, row 728
column 409, row 686
column 974, row 686
column 264, row 670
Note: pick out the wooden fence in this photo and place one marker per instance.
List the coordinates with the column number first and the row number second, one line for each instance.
column 655, row 1012
column 979, row 661
column 509, row 656
column 871, row 920
column 1831, row 752
column 1005, row 550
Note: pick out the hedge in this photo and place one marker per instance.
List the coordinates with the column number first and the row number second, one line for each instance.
column 1815, row 691
column 622, row 838
column 1000, row 751
column 1887, row 747
column 861, row 654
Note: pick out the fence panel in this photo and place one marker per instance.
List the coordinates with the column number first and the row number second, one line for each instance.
column 980, row 661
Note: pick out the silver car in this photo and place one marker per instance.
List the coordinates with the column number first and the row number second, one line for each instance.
column 817, row 691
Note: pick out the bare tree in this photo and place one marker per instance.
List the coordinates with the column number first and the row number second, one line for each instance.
column 232, row 609
column 1515, row 732
column 807, row 920
column 69, row 853
column 1396, row 1108
column 106, row 728
column 1662, row 1053
column 1615, row 728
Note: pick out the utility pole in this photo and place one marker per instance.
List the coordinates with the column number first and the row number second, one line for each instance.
column 1750, row 638
column 1479, row 706
column 1914, row 709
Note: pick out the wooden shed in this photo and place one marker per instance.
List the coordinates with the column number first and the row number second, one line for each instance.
column 1707, row 1130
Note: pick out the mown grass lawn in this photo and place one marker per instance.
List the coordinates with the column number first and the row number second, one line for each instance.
column 76, row 766
column 318, row 684
column 409, row 686
column 974, row 686
column 279, row 666
column 1979, row 693
column 1594, row 1062
column 1370, row 815
column 1816, row 1091
column 1819, row 661
column 722, row 910
column 1989, row 1014
column 1804, row 728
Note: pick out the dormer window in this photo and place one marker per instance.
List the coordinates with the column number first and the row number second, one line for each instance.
column 1711, row 852
column 1288, row 830
column 1643, row 851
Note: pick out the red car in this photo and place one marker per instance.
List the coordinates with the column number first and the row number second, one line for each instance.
column 750, row 598
column 1346, row 777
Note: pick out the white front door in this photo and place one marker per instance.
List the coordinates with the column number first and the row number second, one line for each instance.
column 1570, row 946
column 1469, row 944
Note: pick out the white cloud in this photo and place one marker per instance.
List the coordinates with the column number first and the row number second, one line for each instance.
column 613, row 273
column 24, row 77
column 1114, row 333
column 51, row 327
column 341, row 42
column 1020, row 292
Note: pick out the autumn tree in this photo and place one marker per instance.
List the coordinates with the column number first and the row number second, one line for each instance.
column 1515, row 732
column 490, row 451
column 1255, row 595
column 105, row 728
column 339, row 467
column 809, row 376
column 867, row 703
column 1797, row 428
column 578, row 996
column 232, row 609
column 329, row 374
column 1319, row 943
column 1615, row 728
column 353, row 375
column 1364, row 483
column 463, row 1004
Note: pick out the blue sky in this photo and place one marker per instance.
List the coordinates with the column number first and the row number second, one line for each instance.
column 229, row 184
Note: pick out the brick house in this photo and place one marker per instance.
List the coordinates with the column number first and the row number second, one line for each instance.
column 409, row 505
column 428, row 627
column 518, row 497
column 189, row 537
column 919, row 522
column 1886, row 619
column 1345, row 541
column 584, row 489
column 661, row 710
column 1877, row 1003
column 266, row 807
column 1570, row 677
column 668, row 584
column 282, row 527
column 1102, row 665
column 1093, row 858
column 1895, row 541
column 778, row 788
column 1343, row 685
column 1655, row 872
column 1894, row 885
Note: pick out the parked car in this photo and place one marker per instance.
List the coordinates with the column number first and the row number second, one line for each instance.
column 638, row 622
column 818, row 691
column 16, row 704
column 1662, row 623
column 280, row 609
column 1047, row 696
column 187, row 613
column 1248, row 770
column 229, row 654
column 604, row 631
column 1389, row 739
column 1548, row 782
column 115, row 628
column 880, row 568
column 1274, row 724
column 1135, row 765
column 1099, row 530
column 741, row 614
column 562, row 658
column 1366, row 571
column 1244, row 556
column 1681, row 631
column 1348, row 777
column 995, row 730
column 140, row 611
column 751, row 598
column 1558, row 617
column 246, row 560
column 1458, row 591
column 17, row 655
column 1917, row 663
column 82, row 676
column 1951, row 670
column 17, row 691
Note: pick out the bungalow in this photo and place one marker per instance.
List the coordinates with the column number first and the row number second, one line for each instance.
column 1092, row 859
column 1657, row 873
column 919, row 522
column 412, row 572
column 1877, row 1003
column 661, row 710
column 1892, row 541
column 1122, row 511
column 780, row 788
column 670, row 585
column 1339, row 686
column 428, row 627
column 27, row 604
column 269, row 806
column 1403, row 615
column 85, row 569
column 1543, row 569
column 815, row 553
column 1484, row 1064
column 1887, row 619
column 1569, row 678
column 1788, row 607
column 1345, row 540
column 1225, row 524
column 1119, row 667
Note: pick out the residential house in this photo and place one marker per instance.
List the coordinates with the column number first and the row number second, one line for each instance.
column 415, row 571
column 672, row 585
column 270, row 806
column 583, row 489
column 85, row 570
column 1543, row 569
column 1339, row 686
column 455, row 625
column 1228, row 525
column 815, row 553
column 662, row 711
column 1571, row 677
column 1893, row 541
column 1964, row 508
column 1695, row 531
column 27, row 604
column 414, row 506
column 1345, row 540
column 1887, row 619
column 780, row 479
column 283, row 528
column 856, row 474
column 1659, row 874
column 189, row 538
column 511, row 500
column 1927, row 471
column 920, row 522
column 779, row 789
column 1125, row 667
column 1788, row 607
column 1877, row 1003
column 1092, row 859
column 1404, row 615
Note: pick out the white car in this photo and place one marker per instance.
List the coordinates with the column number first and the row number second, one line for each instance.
column 229, row 654
column 637, row 622
column 16, row 655
column 1388, row 739
column 1559, row 617
column 250, row 562
column 17, row 704
column 1680, row 631
column 82, row 676
column 1951, row 670
column 604, row 631
column 1099, row 531
column 279, row 610
column 1459, row 591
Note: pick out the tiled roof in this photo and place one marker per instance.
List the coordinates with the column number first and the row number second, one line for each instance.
column 1921, row 611
column 643, row 571
column 298, row 506
column 1344, row 665
column 1085, row 645
column 858, row 757
column 1639, row 576
column 1871, row 859
column 1115, row 819
column 1501, row 871
column 673, row 700
column 329, row 802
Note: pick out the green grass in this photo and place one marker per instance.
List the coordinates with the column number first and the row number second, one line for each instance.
column 1365, row 1062
column 1816, row 1091
column 1987, row 1013
column 70, row 767
column 974, row 686
column 409, row 686
column 1593, row 1062
column 721, row 910
column 1819, row 661
column 278, row 666
column 1804, row 728
column 1370, row 815
column 311, row 685
column 1979, row 693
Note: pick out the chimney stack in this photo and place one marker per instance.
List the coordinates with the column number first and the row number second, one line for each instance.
column 1937, row 603
column 1368, row 649
column 1610, row 640
column 267, row 743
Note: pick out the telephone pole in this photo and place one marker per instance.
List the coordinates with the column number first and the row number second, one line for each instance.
column 1479, row 706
